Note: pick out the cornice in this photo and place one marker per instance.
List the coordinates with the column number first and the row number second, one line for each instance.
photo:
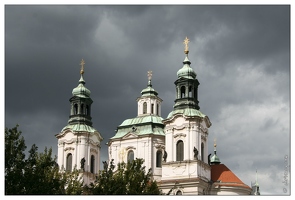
column 159, row 146
column 179, row 135
column 92, row 150
column 69, row 149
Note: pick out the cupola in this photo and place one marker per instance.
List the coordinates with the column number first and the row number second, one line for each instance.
column 149, row 103
column 81, row 102
column 214, row 159
column 81, row 90
column 186, row 71
column 186, row 85
column 149, row 91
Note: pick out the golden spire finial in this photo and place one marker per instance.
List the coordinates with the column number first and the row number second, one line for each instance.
column 185, row 42
column 82, row 66
column 215, row 142
column 150, row 74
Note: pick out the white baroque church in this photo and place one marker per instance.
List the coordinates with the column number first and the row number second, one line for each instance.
column 175, row 148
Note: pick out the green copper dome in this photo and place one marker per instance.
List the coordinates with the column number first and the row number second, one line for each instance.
column 186, row 71
column 215, row 159
column 149, row 91
column 81, row 90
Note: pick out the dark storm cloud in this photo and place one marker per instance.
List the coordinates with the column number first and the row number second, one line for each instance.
column 258, row 31
column 40, row 43
column 241, row 55
column 51, row 25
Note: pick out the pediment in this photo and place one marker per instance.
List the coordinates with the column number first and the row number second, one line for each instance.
column 130, row 135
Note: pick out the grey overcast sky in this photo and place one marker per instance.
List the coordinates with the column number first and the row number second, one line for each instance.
column 241, row 54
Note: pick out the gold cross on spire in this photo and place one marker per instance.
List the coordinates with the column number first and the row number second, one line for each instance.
column 185, row 42
column 82, row 66
column 150, row 74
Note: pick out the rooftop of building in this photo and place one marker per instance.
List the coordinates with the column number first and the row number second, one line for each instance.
column 224, row 176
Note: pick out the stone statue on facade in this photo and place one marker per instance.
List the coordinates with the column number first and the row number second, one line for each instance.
column 105, row 165
column 209, row 159
column 196, row 152
column 165, row 156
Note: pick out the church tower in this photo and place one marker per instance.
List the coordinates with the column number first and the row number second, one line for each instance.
column 79, row 142
column 142, row 136
column 186, row 170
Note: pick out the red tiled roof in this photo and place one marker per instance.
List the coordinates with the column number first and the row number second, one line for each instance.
column 225, row 176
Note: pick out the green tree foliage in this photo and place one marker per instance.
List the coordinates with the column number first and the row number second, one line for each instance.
column 39, row 173
column 72, row 182
column 14, row 161
column 129, row 178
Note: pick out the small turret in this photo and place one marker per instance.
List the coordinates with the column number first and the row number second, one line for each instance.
column 186, row 84
column 255, row 187
column 214, row 159
column 149, row 103
column 81, row 102
column 149, row 91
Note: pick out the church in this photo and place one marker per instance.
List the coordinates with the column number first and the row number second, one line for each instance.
column 175, row 148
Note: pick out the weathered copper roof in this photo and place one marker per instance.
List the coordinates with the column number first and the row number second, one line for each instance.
column 79, row 128
column 81, row 90
column 190, row 112
column 143, row 126
column 186, row 71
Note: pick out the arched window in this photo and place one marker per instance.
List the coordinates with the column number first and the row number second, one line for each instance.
column 152, row 108
column 190, row 91
column 69, row 162
column 130, row 156
column 159, row 159
column 202, row 151
column 144, row 108
column 195, row 93
column 92, row 165
column 82, row 109
column 87, row 110
column 179, row 150
column 158, row 109
column 182, row 92
column 75, row 109
column 178, row 192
